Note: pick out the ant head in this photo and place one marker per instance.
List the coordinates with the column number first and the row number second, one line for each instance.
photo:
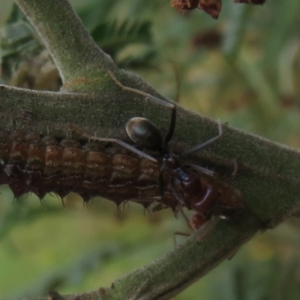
column 170, row 160
column 144, row 133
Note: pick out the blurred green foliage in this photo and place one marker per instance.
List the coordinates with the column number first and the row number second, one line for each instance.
column 128, row 42
column 243, row 69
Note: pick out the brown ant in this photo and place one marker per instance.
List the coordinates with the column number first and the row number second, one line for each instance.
column 194, row 186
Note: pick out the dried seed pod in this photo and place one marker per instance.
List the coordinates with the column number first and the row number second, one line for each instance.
column 212, row 7
column 183, row 5
column 255, row 2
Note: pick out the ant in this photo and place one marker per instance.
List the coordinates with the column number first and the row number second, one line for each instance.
column 193, row 186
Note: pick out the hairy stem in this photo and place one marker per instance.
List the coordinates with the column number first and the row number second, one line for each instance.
column 268, row 173
column 72, row 48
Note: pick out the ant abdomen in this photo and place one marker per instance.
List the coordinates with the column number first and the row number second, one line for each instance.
column 144, row 133
column 206, row 199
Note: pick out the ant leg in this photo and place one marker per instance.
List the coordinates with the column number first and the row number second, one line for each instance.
column 161, row 184
column 201, row 169
column 233, row 174
column 147, row 201
column 176, row 194
column 172, row 125
column 112, row 140
column 180, row 206
column 206, row 228
column 201, row 232
column 153, row 98
column 181, row 234
column 205, row 144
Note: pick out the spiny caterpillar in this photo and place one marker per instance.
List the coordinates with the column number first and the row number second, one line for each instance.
column 43, row 164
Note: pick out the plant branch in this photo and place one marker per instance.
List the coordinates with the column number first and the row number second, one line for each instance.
column 268, row 173
column 178, row 269
column 62, row 32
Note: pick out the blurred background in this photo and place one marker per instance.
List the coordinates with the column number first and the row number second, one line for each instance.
column 243, row 69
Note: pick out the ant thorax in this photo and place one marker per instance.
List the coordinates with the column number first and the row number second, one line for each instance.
column 170, row 161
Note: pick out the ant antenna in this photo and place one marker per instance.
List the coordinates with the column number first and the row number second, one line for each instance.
column 205, row 144
column 155, row 99
column 172, row 125
column 232, row 177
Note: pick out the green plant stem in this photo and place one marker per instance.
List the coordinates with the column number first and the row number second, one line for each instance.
column 268, row 173
column 73, row 49
column 185, row 264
